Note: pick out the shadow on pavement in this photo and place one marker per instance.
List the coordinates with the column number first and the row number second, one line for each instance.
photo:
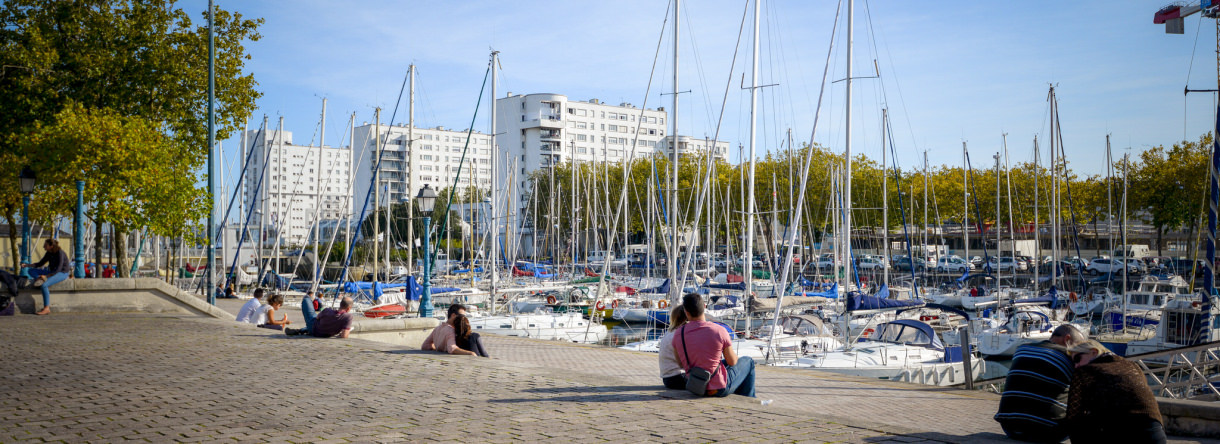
column 592, row 397
column 942, row 437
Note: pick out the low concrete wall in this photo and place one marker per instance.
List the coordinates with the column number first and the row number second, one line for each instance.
column 408, row 332
column 130, row 295
column 1190, row 418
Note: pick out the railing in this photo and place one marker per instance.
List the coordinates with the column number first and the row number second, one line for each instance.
column 1183, row 373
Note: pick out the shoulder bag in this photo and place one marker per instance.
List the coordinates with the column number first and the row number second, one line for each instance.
column 697, row 378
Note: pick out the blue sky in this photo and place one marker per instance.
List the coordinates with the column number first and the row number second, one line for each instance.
column 950, row 71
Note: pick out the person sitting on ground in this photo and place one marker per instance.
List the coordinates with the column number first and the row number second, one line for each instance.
column 250, row 311
column 707, row 345
column 58, row 268
column 1036, row 389
column 1110, row 400
column 672, row 374
column 330, row 323
column 465, row 339
column 442, row 338
column 269, row 321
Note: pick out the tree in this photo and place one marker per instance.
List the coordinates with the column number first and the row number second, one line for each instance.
column 113, row 60
column 134, row 174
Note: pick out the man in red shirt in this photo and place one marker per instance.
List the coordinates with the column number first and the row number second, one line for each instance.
column 707, row 345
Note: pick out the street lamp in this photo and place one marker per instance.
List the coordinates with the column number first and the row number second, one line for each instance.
column 426, row 200
column 26, row 180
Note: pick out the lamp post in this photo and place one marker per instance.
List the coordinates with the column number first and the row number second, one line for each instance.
column 426, row 200
column 26, row 180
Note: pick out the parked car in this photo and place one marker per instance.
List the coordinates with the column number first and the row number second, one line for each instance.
column 976, row 262
column 1184, row 267
column 1006, row 264
column 871, row 263
column 1107, row 265
column 1076, row 261
column 827, row 261
column 906, row 263
column 952, row 264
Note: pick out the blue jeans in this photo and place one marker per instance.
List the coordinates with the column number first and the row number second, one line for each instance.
column 741, row 378
column 35, row 272
column 311, row 316
column 46, row 287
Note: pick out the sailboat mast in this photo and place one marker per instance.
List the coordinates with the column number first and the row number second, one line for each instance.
column 885, row 199
column 925, row 205
column 376, row 186
column 351, row 190
column 1038, row 243
column 410, row 160
column 317, row 231
column 965, row 206
column 491, row 210
column 748, row 268
column 846, row 229
column 672, row 201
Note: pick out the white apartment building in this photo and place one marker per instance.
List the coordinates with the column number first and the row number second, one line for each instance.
column 285, row 184
column 434, row 157
column 537, row 131
column 693, row 145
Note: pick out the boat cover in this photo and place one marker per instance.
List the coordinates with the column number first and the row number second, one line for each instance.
column 858, row 301
column 662, row 289
column 910, row 332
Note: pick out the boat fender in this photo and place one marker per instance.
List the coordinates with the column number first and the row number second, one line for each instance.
column 663, row 303
column 550, row 300
column 614, row 303
column 1072, row 296
column 601, row 305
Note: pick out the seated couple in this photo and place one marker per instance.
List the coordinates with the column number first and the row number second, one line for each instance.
column 693, row 341
column 454, row 336
column 329, row 323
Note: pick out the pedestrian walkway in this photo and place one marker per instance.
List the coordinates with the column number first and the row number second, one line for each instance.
column 158, row 378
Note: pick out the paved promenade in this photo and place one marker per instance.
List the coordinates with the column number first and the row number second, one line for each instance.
column 96, row 378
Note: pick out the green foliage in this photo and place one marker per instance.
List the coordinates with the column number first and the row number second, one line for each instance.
column 115, row 93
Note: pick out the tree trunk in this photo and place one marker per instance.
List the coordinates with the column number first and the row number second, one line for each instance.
column 97, row 248
column 1160, row 232
column 12, row 239
column 119, row 250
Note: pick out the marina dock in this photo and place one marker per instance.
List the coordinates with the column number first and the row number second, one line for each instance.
column 83, row 377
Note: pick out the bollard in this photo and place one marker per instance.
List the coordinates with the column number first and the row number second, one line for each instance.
column 964, row 335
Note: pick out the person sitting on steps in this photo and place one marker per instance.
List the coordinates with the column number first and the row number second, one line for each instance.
column 58, row 268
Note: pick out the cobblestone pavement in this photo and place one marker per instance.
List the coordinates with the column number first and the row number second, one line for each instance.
column 96, row 378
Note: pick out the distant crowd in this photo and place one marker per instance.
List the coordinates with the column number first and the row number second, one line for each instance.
column 319, row 322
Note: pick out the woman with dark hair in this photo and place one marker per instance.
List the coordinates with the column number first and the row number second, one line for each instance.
column 268, row 318
column 466, row 340
column 57, row 270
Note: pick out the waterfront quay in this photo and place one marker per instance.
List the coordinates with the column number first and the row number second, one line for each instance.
column 164, row 377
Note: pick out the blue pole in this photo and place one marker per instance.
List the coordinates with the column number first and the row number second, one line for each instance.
column 211, row 250
column 78, row 232
column 25, row 234
column 425, row 301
